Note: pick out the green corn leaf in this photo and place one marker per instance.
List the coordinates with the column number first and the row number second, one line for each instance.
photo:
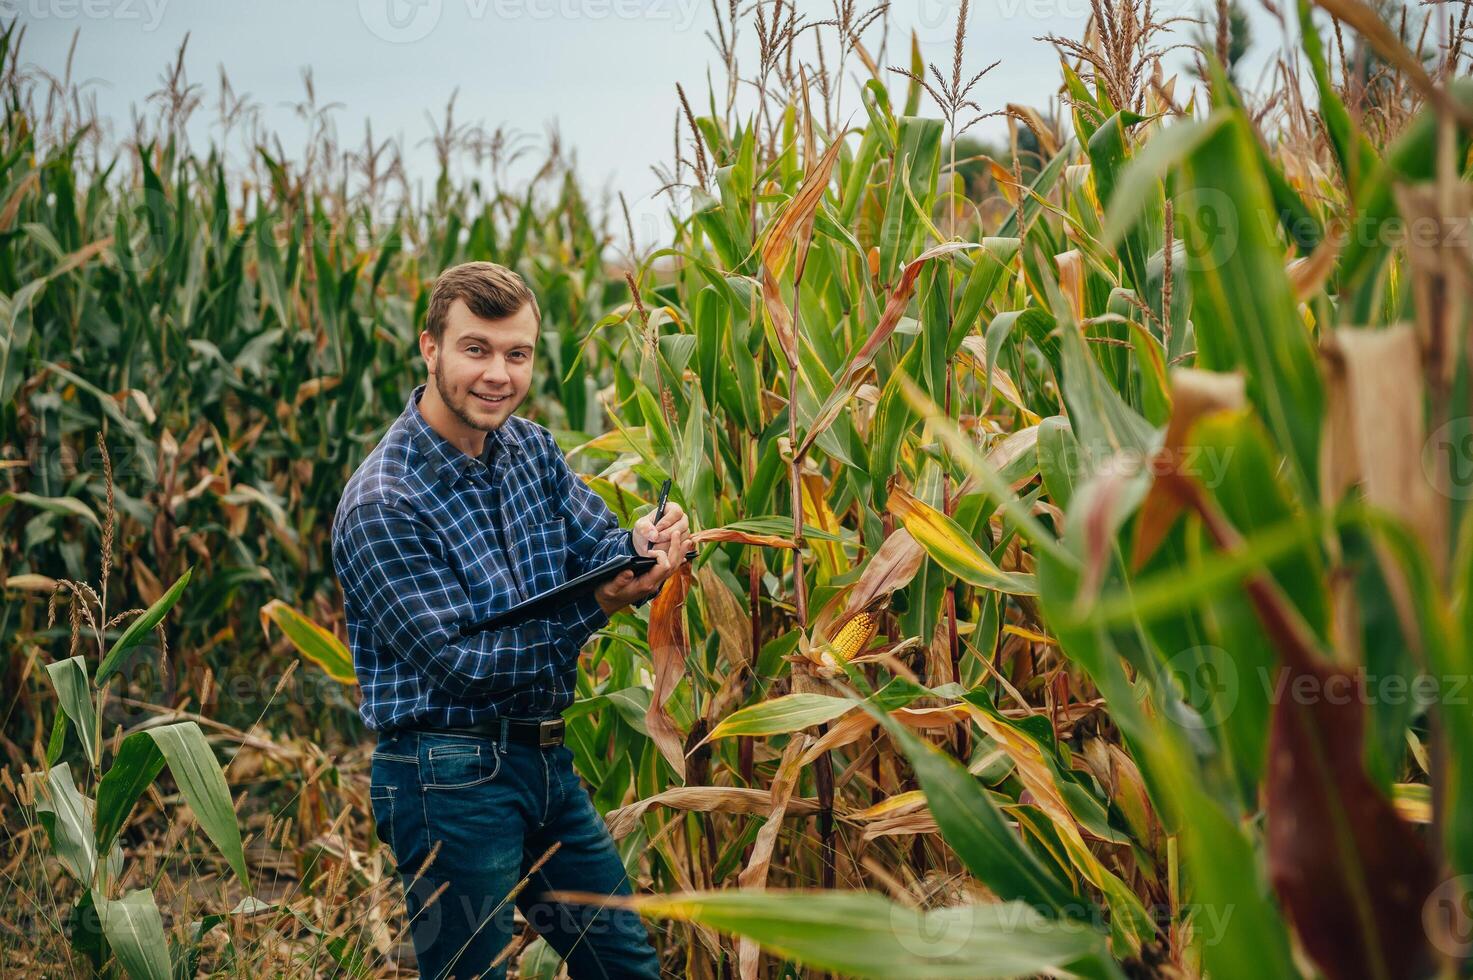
column 975, row 828
column 312, row 641
column 862, row 934
column 1243, row 308
column 136, row 765
column 135, row 931
column 67, row 816
column 954, row 550
column 70, row 506
column 202, row 783
column 139, row 628
column 69, row 677
column 780, row 715
column 1108, row 154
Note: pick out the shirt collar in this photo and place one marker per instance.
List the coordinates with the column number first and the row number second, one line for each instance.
column 448, row 461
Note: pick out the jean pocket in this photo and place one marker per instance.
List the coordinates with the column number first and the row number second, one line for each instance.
column 381, row 801
column 461, row 764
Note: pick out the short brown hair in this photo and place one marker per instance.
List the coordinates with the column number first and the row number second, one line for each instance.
column 491, row 291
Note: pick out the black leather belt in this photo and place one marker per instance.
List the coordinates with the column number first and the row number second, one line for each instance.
column 543, row 733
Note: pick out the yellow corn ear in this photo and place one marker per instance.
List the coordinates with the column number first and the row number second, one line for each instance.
column 855, row 636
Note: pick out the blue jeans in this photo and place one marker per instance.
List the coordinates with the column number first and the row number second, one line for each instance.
column 494, row 809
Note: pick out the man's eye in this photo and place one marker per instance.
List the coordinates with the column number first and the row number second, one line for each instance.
column 473, row 350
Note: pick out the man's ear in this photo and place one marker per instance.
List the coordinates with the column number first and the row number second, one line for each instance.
column 428, row 349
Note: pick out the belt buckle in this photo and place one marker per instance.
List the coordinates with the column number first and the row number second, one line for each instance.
column 549, row 732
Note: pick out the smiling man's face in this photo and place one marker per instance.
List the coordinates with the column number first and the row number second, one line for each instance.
column 480, row 371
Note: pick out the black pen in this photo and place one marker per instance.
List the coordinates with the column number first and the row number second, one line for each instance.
column 664, row 497
column 660, row 511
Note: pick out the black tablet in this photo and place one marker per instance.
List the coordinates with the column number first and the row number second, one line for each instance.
column 554, row 599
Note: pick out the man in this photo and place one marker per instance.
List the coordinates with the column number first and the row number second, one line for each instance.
column 462, row 510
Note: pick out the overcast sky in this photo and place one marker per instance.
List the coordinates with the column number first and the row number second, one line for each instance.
column 604, row 70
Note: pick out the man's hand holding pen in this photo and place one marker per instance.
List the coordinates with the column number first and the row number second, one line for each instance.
column 663, row 535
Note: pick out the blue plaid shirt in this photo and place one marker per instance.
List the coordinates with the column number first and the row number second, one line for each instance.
column 427, row 538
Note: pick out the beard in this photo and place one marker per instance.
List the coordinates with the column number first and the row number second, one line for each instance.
column 460, row 406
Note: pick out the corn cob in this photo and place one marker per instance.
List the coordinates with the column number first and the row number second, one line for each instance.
column 854, row 637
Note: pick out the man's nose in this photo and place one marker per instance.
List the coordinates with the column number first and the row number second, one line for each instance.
column 495, row 372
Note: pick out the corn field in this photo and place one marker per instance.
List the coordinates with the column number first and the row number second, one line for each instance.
column 1083, row 583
